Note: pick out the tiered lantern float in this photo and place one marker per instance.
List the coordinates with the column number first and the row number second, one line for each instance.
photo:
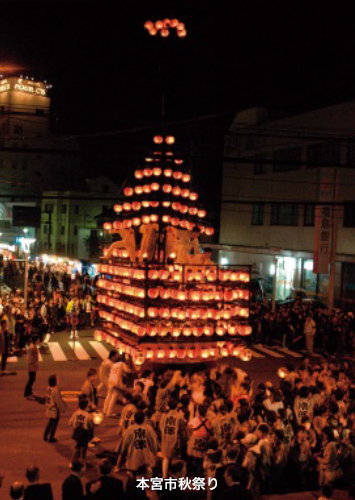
column 162, row 299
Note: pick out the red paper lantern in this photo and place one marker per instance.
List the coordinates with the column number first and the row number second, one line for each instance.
column 107, row 226
column 147, row 189
column 155, row 186
column 136, row 205
column 167, row 188
column 158, row 139
column 148, row 172
column 177, row 175
column 128, row 191
column 156, row 171
column 169, row 139
column 168, row 172
column 176, row 191
column 138, row 174
column 118, row 208
column 127, row 207
column 193, row 196
column 186, row 178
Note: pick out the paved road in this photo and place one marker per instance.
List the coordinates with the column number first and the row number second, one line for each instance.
column 22, row 422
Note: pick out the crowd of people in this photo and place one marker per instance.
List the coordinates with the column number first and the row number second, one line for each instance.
column 56, row 301
column 211, row 433
column 304, row 326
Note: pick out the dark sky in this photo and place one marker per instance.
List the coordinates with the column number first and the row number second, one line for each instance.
column 108, row 73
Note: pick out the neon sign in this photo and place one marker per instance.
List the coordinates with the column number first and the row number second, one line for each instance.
column 21, row 85
column 29, row 89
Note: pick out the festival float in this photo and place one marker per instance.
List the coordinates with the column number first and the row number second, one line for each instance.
column 161, row 298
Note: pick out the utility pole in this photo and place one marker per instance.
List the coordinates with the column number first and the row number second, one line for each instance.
column 334, row 237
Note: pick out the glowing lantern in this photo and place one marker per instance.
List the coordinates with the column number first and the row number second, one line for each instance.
column 147, row 172
column 127, row 206
column 176, row 332
column 127, row 224
column 146, row 219
column 141, row 331
column 177, row 276
column 186, row 178
column 224, row 352
column 138, row 174
column 149, row 25
column 175, row 205
column 147, row 189
column 155, row 186
column 154, row 204
column 184, row 209
column 117, row 224
column 152, row 312
column 178, row 162
column 190, row 226
column 138, row 189
column 181, row 33
column 184, row 224
column 174, row 221
column 185, row 193
column 245, row 355
column 149, row 354
column 193, row 196
column 195, row 295
column 220, row 331
column 202, row 229
column 177, row 175
column 181, row 352
column 282, row 372
column 163, row 332
column 209, row 231
column 193, row 211
column 166, row 204
column 168, row 172
column 176, row 191
column 164, row 33
column 235, row 351
column 160, row 353
column 145, row 204
column 172, row 353
column 153, row 293
column 158, row 139
column 159, row 25
column 192, row 353
column 169, row 139
column 205, row 353
column 136, row 205
column 166, row 219
column 136, row 221
column 201, row 213
column 139, row 360
column 107, row 226
column 154, row 218
column 167, row 188
column 117, row 208
column 128, row 191
column 208, row 330
column 164, row 312
column 180, row 26
column 153, row 31
column 156, row 171
column 186, row 331
column 174, row 23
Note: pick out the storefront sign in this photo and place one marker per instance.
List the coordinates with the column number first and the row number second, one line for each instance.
column 322, row 239
column 27, row 86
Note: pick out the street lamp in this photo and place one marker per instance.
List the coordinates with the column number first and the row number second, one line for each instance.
column 25, row 244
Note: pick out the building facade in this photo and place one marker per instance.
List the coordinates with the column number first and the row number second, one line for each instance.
column 69, row 218
column 32, row 159
column 276, row 171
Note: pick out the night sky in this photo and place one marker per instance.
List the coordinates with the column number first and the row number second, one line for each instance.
column 108, row 74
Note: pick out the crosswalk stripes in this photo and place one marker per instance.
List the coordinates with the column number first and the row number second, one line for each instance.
column 56, row 351
column 99, row 348
column 289, row 352
column 79, row 351
column 256, row 354
column 271, row 353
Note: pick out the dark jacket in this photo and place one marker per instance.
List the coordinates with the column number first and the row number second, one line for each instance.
column 72, row 488
column 39, row 492
column 111, row 488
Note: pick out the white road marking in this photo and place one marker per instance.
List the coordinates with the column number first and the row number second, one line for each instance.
column 271, row 353
column 79, row 350
column 99, row 348
column 56, row 351
column 289, row 352
column 257, row 354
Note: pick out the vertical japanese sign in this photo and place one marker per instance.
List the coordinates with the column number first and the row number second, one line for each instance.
column 322, row 239
column 323, row 224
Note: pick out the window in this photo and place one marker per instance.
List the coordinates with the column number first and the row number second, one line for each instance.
column 62, row 230
column 259, row 166
column 75, row 230
column 284, row 214
column 258, row 214
column 76, row 209
column 48, row 207
column 308, row 215
column 64, row 209
column 327, row 153
column 287, row 159
column 349, row 215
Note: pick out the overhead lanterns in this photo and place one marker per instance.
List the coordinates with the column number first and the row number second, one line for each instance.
column 158, row 139
column 128, row 191
column 164, row 27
